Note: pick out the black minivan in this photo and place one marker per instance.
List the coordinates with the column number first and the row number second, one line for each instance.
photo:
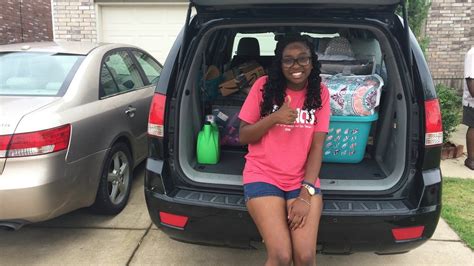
column 387, row 203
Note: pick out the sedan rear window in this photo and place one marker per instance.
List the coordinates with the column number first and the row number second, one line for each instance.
column 36, row 74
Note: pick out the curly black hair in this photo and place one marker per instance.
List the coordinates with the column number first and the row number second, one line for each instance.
column 274, row 89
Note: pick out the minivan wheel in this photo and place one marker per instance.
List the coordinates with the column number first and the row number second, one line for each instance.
column 115, row 182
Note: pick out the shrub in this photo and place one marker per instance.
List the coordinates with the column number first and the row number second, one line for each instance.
column 451, row 108
column 417, row 11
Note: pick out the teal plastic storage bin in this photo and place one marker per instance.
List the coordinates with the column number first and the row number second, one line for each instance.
column 347, row 138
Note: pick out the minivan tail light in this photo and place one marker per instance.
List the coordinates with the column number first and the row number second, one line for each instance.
column 408, row 233
column 37, row 143
column 434, row 125
column 156, row 117
column 173, row 219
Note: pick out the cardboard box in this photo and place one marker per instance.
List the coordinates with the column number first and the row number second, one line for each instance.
column 228, row 87
column 234, row 81
column 242, row 68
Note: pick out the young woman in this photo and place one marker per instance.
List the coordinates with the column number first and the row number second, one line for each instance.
column 284, row 121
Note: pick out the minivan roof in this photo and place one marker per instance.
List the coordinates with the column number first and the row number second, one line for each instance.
column 354, row 3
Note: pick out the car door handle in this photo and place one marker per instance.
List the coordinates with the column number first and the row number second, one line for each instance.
column 131, row 111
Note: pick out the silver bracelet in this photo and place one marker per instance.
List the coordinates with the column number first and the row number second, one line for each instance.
column 305, row 201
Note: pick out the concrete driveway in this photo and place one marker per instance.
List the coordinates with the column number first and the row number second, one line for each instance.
column 130, row 238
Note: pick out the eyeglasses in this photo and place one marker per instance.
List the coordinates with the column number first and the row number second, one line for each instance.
column 302, row 61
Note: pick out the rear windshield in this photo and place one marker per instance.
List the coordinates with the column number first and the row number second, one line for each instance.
column 36, row 74
column 340, row 51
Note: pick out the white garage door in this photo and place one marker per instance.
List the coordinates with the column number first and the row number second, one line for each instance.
column 151, row 27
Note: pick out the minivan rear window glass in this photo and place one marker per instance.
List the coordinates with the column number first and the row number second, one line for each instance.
column 35, row 74
column 266, row 42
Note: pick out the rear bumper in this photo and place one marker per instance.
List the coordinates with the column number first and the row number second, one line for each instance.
column 39, row 188
column 207, row 224
column 341, row 231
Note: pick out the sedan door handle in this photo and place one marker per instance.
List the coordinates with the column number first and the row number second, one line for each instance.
column 131, row 111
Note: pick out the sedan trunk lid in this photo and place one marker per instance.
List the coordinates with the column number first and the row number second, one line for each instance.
column 13, row 109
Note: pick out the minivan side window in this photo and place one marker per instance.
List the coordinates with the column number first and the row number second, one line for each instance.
column 119, row 74
column 151, row 68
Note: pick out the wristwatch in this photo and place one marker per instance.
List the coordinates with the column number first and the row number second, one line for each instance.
column 309, row 188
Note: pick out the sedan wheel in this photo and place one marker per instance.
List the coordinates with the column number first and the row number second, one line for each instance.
column 118, row 177
column 116, row 180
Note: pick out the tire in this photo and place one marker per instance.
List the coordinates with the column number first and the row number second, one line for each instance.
column 115, row 182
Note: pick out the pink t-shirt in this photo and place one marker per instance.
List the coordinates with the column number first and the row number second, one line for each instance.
column 279, row 157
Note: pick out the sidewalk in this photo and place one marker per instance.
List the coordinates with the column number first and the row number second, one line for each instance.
column 455, row 167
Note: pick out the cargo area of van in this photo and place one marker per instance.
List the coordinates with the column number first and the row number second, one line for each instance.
column 365, row 148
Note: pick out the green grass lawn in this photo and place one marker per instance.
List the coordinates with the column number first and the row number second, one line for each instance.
column 458, row 207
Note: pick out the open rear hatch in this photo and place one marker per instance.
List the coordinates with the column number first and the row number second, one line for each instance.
column 217, row 8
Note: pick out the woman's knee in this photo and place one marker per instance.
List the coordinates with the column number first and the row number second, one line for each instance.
column 281, row 256
column 307, row 257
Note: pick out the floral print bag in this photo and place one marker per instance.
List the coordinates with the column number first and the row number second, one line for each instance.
column 353, row 95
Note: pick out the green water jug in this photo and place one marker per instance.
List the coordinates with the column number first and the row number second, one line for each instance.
column 208, row 148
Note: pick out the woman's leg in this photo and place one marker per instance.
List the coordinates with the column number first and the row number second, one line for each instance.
column 304, row 239
column 269, row 214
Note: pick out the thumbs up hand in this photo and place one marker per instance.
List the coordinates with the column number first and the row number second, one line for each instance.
column 285, row 115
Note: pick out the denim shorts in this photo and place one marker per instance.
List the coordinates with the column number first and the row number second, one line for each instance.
column 261, row 189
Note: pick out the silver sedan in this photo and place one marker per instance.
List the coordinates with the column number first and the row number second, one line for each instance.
column 73, row 125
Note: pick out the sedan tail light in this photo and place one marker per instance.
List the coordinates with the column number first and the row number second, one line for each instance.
column 4, row 141
column 35, row 143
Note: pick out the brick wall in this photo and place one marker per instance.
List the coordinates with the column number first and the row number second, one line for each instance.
column 25, row 21
column 74, row 20
column 450, row 27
